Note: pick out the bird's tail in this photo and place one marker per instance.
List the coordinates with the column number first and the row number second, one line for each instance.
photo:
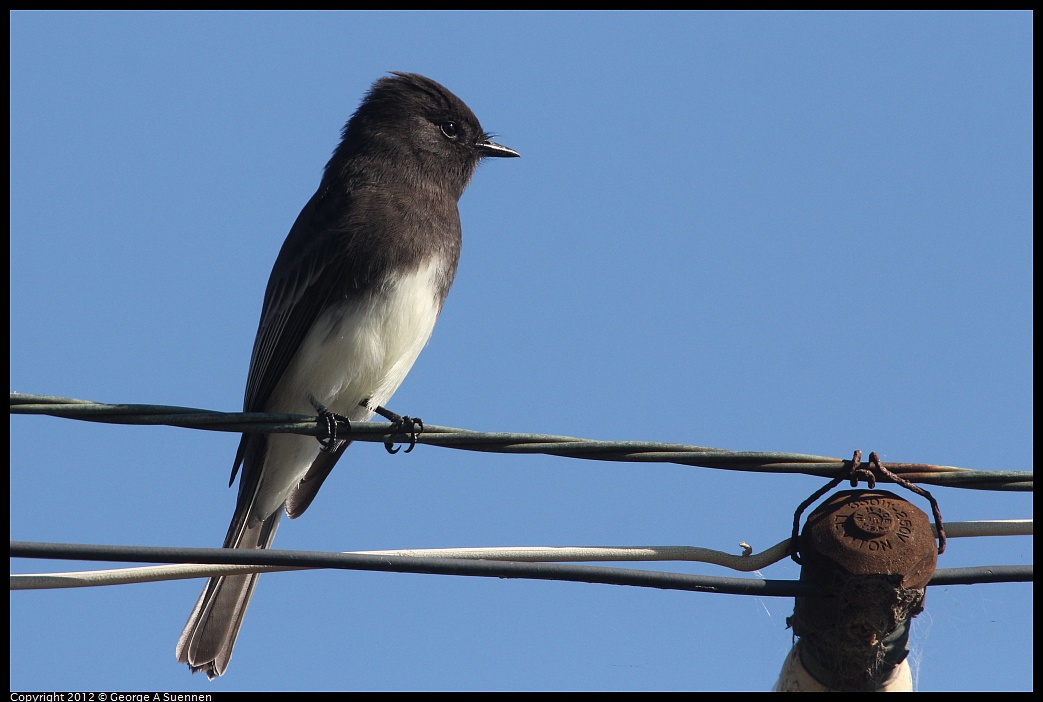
column 208, row 639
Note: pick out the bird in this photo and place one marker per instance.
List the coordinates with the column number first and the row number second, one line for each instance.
column 351, row 301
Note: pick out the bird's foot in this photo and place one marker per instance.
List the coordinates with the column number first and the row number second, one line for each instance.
column 331, row 421
column 410, row 426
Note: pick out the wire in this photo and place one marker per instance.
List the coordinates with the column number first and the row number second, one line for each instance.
column 510, row 443
column 407, row 564
column 519, row 562
column 543, row 554
column 472, row 562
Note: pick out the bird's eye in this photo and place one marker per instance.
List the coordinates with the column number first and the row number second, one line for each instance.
column 450, row 129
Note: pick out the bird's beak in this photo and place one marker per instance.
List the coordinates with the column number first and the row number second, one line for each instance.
column 489, row 148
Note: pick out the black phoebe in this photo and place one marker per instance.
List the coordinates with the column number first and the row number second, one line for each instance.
column 351, row 301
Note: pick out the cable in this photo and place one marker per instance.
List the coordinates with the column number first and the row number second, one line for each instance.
column 523, row 562
column 457, row 566
column 511, row 443
column 543, row 554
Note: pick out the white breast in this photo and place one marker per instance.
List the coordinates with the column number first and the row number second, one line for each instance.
column 360, row 350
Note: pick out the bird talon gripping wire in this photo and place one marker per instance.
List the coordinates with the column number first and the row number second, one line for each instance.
column 410, row 426
column 330, row 420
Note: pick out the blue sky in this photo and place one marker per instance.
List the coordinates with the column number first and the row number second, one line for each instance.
column 765, row 232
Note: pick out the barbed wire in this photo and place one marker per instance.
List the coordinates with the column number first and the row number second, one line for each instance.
column 509, row 443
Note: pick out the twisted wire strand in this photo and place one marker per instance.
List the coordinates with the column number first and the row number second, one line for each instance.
column 510, row 443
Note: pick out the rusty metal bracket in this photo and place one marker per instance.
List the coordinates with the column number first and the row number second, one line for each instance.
column 874, row 552
column 854, row 471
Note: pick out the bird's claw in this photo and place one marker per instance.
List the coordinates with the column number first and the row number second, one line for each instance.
column 331, row 421
column 411, row 426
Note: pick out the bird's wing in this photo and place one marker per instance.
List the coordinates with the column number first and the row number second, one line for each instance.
column 316, row 262
column 311, row 263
